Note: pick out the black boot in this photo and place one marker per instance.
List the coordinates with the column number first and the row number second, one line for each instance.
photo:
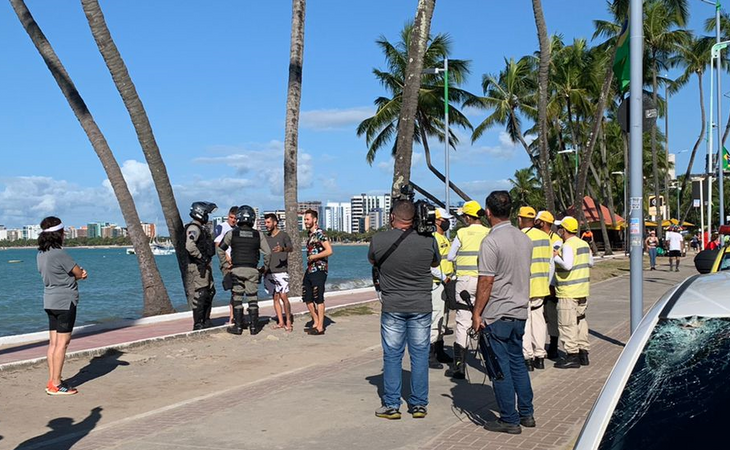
column 538, row 363
column 570, row 361
column 433, row 362
column 237, row 327
column 583, row 357
column 528, row 364
column 456, row 371
column 441, row 354
column 552, row 350
column 198, row 318
column 253, row 317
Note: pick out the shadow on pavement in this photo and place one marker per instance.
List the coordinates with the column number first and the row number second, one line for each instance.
column 474, row 396
column 98, row 367
column 608, row 339
column 377, row 381
column 327, row 322
column 64, row 433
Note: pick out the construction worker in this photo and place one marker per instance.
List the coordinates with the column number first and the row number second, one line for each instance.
column 544, row 220
column 573, row 278
column 441, row 276
column 533, row 341
column 465, row 253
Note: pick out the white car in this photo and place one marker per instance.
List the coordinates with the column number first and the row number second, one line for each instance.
column 670, row 388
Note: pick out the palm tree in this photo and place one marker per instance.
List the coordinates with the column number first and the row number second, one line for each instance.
column 156, row 300
column 291, row 138
column 508, row 95
column 542, row 96
column 380, row 128
column 526, row 189
column 146, row 137
column 411, row 86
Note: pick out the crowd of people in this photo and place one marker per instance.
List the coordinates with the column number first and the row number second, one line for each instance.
column 514, row 285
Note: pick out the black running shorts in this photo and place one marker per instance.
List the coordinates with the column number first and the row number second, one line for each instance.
column 61, row 320
column 675, row 253
column 313, row 287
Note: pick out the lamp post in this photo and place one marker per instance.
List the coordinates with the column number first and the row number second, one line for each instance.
column 445, row 71
column 571, row 150
column 626, row 228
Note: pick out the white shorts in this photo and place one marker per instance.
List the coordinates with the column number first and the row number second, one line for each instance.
column 276, row 283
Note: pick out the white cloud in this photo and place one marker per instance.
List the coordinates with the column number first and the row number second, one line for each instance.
column 505, row 150
column 334, row 119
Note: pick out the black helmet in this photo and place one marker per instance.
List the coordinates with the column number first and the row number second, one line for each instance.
column 200, row 210
column 246, row 215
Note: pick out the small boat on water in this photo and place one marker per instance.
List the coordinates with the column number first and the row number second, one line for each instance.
column 14, row 261
column 158, row 248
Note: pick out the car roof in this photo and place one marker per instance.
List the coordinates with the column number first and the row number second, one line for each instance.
column 705, row 296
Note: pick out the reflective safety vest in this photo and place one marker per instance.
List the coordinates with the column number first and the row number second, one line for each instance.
column 446, row 267
column 542, row 253
column 575, row 283
column 467, row 257
column 553, row 239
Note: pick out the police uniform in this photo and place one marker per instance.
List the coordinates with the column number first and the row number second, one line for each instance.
column 200, row 288
column 572, row 290
column 465, row 254
column 246, row 245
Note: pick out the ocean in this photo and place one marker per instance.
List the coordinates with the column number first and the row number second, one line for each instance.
column 113, row 290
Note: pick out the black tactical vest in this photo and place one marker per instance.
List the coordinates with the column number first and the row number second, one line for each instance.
column 205, row 243
column 245, row 244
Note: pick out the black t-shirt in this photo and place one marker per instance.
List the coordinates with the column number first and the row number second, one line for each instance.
column 405, row 277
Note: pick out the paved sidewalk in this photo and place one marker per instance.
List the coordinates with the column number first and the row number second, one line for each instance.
column 98, row 342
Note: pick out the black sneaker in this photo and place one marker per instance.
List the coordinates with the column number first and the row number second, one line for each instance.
column 583, row 357
column 569, row 362
column 528, row 422
column 387, row 412
column 499, row 426
column 419, row 412
column 528, row 364
column 538, row 363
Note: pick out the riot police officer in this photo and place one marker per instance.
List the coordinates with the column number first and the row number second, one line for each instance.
column 200, row 249
column 246, row 246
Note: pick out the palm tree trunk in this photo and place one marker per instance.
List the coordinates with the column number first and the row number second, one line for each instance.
column 699, row 140
column 412, row 84
column 156, row 300
column 655, row 168
column 606, row 188
column 146, row 137
column 291, row 139
column 439, row 175
column 544, row 166
column 604, row 231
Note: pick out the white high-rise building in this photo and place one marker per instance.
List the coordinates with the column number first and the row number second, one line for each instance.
column 31, row 231
column 338, row 217
column 362, row 205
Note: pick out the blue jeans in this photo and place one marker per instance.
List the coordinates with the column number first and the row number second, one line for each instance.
column 652, row 257
column 397, row 329
column 506, row 339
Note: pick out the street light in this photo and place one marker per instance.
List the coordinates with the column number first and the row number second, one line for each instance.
column 571, row 150
column 626, row 227
column 445, row 71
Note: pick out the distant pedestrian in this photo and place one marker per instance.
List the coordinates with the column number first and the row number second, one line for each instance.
column 405, row 282
column 200, row 249
column 573, row 275
column 587, row 236
column 501, row 309
column 695, row 243
column 276, row 278
column 676, row 243
column 544, row 220
column 60, row 298
column 651, row 243
column 225, row 265
column 315, row 277
column 714, row 243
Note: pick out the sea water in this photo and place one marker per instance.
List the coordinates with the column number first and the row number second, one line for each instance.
column 113, row 290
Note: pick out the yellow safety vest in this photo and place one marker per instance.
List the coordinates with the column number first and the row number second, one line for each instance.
column 555, row 238
column 575, row 283
column 446, row 267
column 467, row 257
column 540, row 266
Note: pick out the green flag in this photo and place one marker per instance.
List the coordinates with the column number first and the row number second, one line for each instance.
column 725, row 159
column 621, row 64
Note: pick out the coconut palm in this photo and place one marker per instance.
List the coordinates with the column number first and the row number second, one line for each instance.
column 291, row 138
column 526, row 189
column 411, row 86
column 146, row 137
column 156, row 300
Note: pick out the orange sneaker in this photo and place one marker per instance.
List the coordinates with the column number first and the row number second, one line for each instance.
column 61, row 389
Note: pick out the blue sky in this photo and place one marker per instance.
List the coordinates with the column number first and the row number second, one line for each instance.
column 213, row 79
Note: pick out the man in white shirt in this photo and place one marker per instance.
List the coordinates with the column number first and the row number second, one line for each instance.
column 676, row 242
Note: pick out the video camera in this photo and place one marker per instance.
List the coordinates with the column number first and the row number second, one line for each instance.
column 425, row 219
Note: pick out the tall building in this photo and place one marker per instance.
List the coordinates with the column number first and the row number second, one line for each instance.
column 149, row 229
column 362, row 204
column 3, row 233
column 376, row 219
column 31, row 231
column 93, row 229
column 337, row 217
column 279, row 213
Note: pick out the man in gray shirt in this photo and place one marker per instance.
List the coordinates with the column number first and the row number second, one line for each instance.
column 503, row 294
column 276, row 280
column 405, row 282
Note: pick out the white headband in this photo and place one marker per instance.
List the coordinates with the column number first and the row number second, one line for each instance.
column 56, row 228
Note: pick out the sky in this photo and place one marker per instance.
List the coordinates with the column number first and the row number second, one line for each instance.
column 213, row 79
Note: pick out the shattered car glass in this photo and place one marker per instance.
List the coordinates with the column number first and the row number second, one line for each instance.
column 678, row 394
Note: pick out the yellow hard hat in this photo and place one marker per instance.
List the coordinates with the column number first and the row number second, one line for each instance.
column 569, row 223
column 471, row 208
column 527, row 212
column 545, row 216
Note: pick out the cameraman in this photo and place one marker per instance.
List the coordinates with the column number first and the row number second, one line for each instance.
column 405, row 281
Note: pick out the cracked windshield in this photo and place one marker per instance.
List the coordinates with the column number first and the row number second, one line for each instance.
column 678, row 392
